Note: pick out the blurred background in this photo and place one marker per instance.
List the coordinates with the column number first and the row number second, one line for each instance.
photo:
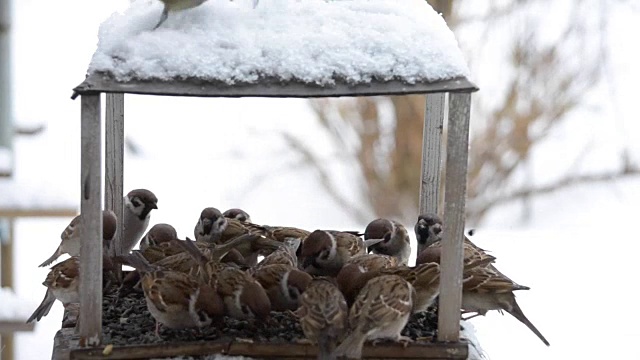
column 553, row 185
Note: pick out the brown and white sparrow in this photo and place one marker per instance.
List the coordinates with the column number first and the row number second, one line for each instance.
column 62, row 284
column 283, row 283
column 286, row 254
column 429, row 235
column 381, row 311
column 210, row 226
column 71, row 241
column 176, row 300
column 243, row 296
column 138, row 204
column 158, row 234
column 324, row 252
column 373, row 262
column 487, row 289
column 323, row 316
column 176, row 5
column 237, row 214
column 396, row 241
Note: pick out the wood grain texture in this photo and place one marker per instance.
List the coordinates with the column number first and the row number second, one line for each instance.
column 91, row 221
column 97, row 82
column 114, row 160
column 431, row 154
column 455, row 199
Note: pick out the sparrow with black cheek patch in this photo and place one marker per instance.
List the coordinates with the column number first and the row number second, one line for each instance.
column 283, row 283
column 158, row 234
column 325, row 252
column 323, row 316
column 176, row 300
column 71, row 242
column 138, row 204
column 242, row 295
column 210, row 226
column 237, row 214
column 395, row 237
column 380, row 311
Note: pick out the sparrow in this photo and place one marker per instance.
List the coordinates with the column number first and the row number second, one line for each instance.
column 487, row 289
column 396, row 241
column 138, row 204
column 176, row 5
column 372, row 262
column 210, row 226
column 242, row 295
column 237, row 214
column 323, row 316
column 324, row 252
column 176, row 300
column 429, row 233
column 283, row 283
column 71, row 241
column 424, row 278
column 285, row 254
column 380, row 311
column 62, row 284
column 158, row 234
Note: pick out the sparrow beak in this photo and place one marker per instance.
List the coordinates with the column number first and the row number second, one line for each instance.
column 154, row 206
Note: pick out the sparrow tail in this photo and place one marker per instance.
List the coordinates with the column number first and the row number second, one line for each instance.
column 163, row 17
column 517, row 313
column 43, row 308
column 190, row 247
column 351, row 347
column 53, row 257
column 136, row 260
column 326, row 346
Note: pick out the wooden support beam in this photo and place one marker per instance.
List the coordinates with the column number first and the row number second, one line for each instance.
column 431, row 153
column 114, row 161
column 455, row 199
column 91, row 222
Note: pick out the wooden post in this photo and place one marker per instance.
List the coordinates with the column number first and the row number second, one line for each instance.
column 431, row 149
column 455, row 193
column 114, row 162
column 91, row 222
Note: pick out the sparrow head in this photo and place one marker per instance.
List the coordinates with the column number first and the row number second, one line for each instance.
column 237, row 214
column 158, row 234
column 212, row 223
column 318, row 247
column 296, row 282
column 70, row 229
column 428, row 230
column 255, row 301
column 380, row 229
column 109, row 225
column 141, row 202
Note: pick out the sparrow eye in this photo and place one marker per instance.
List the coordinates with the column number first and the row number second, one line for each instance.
column 437, row 230
column 387, row 237
column 136, row 202
column 293, row 293
column 324, row 255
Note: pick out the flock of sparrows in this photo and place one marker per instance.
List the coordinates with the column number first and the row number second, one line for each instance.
column 344, row 287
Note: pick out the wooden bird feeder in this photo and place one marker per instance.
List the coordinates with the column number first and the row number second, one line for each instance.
column 453, row 93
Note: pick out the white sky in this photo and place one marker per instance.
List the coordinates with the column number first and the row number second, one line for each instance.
column 576, row 254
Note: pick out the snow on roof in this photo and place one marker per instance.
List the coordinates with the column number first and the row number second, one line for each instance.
column 355, row 41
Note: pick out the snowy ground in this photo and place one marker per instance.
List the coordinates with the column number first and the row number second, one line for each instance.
column 576, row 253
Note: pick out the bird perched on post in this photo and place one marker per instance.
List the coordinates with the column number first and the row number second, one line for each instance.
column 138, row 204
column 70, row 243
column 176, row 5
column 395, row 241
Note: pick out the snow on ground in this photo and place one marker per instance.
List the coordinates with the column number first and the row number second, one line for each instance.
column 576, row 253
column 14, row 308
column 312, row 41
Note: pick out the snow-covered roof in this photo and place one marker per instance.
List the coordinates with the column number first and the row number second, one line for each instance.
column 315, row 48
